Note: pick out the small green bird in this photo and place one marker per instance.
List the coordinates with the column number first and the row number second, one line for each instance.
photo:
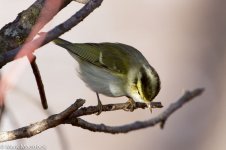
column 114, row 69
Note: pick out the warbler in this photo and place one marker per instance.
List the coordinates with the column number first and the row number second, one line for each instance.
column 114, row 70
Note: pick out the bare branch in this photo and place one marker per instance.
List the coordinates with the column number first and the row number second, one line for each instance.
column 138, row 124
column 70, row 116
column 15, row 33
column 30, row 47
column 41, row 126
column 28, row 23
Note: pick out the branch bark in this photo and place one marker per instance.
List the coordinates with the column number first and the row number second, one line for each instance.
column 38, row 127
column 28, row 23
column 71, row 116
column 30, row 47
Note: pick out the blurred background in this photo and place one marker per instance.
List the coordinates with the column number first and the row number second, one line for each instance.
column 183, row 40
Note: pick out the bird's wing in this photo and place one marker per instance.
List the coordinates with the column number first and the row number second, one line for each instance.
column 110, row 56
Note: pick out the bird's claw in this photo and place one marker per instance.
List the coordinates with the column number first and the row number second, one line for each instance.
column 131, row 105
column 100, row 108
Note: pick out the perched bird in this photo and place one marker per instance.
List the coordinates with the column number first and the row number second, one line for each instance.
column 114, row 69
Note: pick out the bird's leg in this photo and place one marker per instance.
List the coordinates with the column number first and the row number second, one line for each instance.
column 99, row 105
column 131, row 105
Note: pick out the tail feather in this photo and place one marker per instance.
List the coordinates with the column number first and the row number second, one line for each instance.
column 61, row 42
column 80, row 51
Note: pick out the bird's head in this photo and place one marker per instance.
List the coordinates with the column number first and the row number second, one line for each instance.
column 146, row 85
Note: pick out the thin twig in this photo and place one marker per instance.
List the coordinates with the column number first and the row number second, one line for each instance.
column 138, row 124
column 112, row 107
column 40, row 85
column 72, row 115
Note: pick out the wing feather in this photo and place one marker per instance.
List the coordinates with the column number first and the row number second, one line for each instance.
column 114, row 57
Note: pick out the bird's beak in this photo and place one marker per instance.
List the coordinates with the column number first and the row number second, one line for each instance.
column 149, row 106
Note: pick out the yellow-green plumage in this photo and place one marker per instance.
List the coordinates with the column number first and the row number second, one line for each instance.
column 113, row 54
column 114, row 69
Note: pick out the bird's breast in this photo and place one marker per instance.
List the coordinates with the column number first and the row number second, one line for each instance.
column 101, row 80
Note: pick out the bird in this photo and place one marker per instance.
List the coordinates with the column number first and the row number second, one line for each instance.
column 114, row 70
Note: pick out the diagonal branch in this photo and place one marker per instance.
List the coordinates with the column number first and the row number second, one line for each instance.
column 28, row 23
column 70, row 116
column 38, row 127
column 30, row 47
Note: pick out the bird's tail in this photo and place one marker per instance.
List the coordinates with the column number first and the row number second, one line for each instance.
column 62, row 43
column 70, row 47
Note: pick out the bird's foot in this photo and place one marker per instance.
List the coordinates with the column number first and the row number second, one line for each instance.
column 131, row 105
column 100, row 108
